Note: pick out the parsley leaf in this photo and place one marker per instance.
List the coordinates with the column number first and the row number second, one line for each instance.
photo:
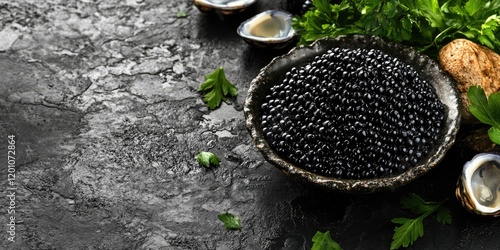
column 443, row 215
column 486, row 110
column 230, row 221
column 414, row 203
column 323, row 241
column 408, row 232
column 479, row 106
column 181, row 14
column 411, row 229
column 417, row 205
column 494, row 134
column 473, row 6
column 207, row 159
column 217, row 88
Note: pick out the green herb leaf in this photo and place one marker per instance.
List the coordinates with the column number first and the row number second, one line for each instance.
column 417, row 205
column 230, row 221
column 217, row 88
column 486, row 110
column 431, row 11
column 473, row 6
column 443, row 215
column 408, row 232
column 494, row 104
column 414, row 203
column 323, row 241
column 494, row 134
column 207, row 159
column 411, row 229
column 181, row 14
column 479, row 105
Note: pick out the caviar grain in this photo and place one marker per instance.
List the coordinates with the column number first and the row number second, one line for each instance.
column 353, row 114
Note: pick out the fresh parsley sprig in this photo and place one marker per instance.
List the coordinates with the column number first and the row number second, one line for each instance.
column 323, row 241
column 181, row 14
column 207, row 159
column 424, row 24
column 410, row 229
column 230, row 221
column 486, row 110
column 217, row 88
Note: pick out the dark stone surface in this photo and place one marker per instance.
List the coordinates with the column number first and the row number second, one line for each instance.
column 101, row 96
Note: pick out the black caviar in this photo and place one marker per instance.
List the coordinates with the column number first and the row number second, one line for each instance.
column 306, row 5
column 353, row 114
column 299, row 7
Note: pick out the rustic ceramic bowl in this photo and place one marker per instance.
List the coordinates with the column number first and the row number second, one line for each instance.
column 224, row 7
column 429, row 70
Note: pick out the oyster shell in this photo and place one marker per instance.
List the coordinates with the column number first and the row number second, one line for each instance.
column 269, row 29
column 478, row 188
column 224, row 7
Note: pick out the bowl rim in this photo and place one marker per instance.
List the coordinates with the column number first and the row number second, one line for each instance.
column 301, row 55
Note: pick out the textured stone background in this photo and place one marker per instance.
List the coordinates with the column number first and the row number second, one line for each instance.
column 101, row 96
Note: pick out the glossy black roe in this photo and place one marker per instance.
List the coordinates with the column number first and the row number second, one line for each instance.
column 353, row 114
column 299, row 7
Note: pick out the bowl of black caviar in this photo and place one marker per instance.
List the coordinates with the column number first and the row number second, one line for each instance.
column 353, row 114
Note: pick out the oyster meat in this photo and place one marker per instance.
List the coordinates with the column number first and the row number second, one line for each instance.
column 478, row 187
column 269, row 29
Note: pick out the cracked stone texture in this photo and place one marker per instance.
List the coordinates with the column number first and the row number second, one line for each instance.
column 101, row 96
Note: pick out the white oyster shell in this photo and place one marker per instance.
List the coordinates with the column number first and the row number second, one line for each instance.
column 224, row 7
column 269, row 29
column 478, row 188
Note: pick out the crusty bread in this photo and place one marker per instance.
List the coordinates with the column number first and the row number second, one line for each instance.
column 470, row 64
